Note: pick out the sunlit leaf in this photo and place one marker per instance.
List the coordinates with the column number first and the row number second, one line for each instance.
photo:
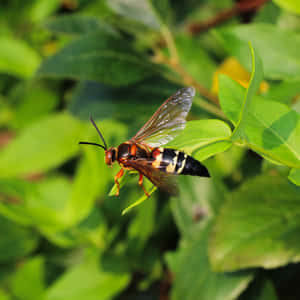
column 203, row 138
column 139, row 201
column 290, row 5
column 255, row 80
column 271, row 128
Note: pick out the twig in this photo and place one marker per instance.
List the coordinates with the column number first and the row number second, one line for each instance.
column 240, row 7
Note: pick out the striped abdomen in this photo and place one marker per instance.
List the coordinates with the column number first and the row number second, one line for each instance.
column 177, row 162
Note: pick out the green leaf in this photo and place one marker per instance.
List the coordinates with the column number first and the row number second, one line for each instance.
column 271, row 128
column 93, row 175
column 4, row 295
column 138, row 10
column 143, row 225
column 255, row 80
column 40, row 204
column 227, row 163
column 32, row 102
column 98, row 56
column 88, row 281
column 284, row 62
column 194, row 278
column 284, row 91
column 17, row 58
column 260, row 289
column 15, row 241
column 230, row 101
column 203, row 138
column 195, row 59
column 268, row 13
column 42, row 146
column 198, row 202
column 294, row 176
column 33, row 287
column 120, row 102
column 139, row 201
column 257, row 226
column 78, row 25
column 42, row 9
column 290, row 5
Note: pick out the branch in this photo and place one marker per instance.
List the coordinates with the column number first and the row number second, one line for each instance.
column 240, row 7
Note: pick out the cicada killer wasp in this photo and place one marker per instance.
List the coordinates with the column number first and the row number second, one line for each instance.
column 143, row 152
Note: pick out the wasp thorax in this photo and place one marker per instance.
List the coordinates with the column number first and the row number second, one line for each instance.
column 110, row 156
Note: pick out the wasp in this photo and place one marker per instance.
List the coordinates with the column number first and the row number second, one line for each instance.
column 143, row 152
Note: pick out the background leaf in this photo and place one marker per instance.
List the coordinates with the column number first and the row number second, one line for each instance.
column 266, row 39
column 193, row 274
column 78, row 25
column 33, row 287
column 15, row 242
column 291, row 5
column 263, row 213
column 17, row 58
column 32, row 151
column 98, row 56
column 139, row 10
column 87, row 280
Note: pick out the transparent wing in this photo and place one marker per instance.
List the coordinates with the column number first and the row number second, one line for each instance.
column 160, row 179
column 168, row 120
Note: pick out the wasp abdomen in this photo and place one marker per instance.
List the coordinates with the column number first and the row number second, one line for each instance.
column 177, row 162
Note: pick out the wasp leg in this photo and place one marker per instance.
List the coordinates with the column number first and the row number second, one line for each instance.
column 141, row 178
column 118, row 176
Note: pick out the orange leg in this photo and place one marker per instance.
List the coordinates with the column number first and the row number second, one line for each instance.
column 118, row 176
column 141, row 185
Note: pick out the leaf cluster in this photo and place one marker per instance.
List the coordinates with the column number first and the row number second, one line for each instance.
column 232, row 236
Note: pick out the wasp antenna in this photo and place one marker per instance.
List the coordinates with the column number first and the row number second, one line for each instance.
column 94, row 144
column 101, row 136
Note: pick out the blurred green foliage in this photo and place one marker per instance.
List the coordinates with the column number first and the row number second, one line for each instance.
column 231, row 236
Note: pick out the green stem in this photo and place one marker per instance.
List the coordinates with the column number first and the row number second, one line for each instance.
column 170, row 43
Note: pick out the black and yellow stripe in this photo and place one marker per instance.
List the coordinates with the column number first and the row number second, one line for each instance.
column 177, row 162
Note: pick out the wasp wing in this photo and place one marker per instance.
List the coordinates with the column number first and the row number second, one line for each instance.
column 167, row 121
column 159, row 178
